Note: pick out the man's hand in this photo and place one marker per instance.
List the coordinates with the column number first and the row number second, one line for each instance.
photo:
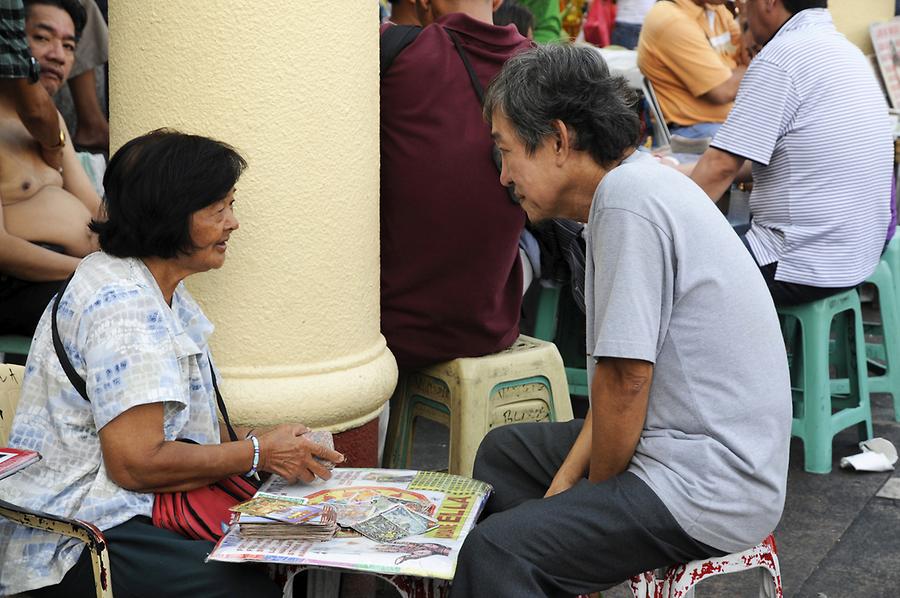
column 575, row 466
column 53, row 156
column 563, row 480
column 284, row 451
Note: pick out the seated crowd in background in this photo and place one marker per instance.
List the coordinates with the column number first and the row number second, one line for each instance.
column 44, row 210
column 813, row 121
column 692, row 53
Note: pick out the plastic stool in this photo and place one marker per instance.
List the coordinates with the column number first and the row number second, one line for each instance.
column 678, row 581
column 818, row 413
column 471, row 395
column 891, row 255
column 14, row 344
column 889, row 350
column 545, row 329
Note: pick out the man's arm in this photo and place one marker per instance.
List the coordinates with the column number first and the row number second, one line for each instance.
column 75, row 179
column 28, row 261
column 725, row 93
column 39, row 115
column 577, row 462
column 715, row 171
column 619, row 398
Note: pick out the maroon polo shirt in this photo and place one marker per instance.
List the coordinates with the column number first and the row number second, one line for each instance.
column 451, row 281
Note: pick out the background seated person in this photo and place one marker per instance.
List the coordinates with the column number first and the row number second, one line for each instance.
column 134, row 333
column 692, row 52
column 451, row 277
column 44, row 213
column 809, row 99
column 684, row 451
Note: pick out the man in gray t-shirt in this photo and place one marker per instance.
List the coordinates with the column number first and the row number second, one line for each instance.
column 683, row 453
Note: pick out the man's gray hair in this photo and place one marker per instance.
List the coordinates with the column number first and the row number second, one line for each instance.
column 571, row 84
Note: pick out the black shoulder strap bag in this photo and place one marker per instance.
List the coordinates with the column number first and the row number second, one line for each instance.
column 199, row 514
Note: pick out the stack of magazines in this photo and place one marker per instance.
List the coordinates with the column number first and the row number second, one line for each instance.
column 277, row 516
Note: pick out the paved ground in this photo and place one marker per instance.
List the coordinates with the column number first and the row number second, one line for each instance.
column 837, row 537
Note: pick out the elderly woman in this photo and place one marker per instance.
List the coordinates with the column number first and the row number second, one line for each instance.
column 139, row 340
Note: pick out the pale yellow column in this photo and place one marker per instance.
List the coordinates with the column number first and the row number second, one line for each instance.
column 293, row 86
column 853, row 17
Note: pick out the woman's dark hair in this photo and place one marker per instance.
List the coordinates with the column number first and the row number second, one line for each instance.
column 154, row 183
column 511, row 12
column 73, row 7
column 571, row 84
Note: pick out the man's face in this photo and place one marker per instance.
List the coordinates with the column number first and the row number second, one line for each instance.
column 51, row 35
column 536, row 178
column 755, row 14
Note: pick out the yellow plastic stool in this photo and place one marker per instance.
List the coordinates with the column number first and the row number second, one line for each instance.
column 471, row 395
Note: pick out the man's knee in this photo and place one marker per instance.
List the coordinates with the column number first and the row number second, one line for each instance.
column 491, row 452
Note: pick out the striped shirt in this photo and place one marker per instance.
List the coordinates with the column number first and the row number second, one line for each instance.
column 812, row 118
column 15, row 56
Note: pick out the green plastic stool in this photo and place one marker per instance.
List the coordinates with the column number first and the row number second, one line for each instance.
column 545, row 329
column 888, row 352
column 824, row 406
column 891, row 256
column 16, row 345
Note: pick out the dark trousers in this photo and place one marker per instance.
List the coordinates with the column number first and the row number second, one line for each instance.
column 22, row 303
column 149, row 561
column 787, row 293
column 589, row 538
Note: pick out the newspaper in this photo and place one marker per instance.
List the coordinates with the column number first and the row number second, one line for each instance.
column 458, row 502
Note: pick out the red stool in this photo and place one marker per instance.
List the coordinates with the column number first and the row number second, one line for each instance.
column 679, row 580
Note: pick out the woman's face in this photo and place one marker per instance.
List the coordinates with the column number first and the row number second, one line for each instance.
column 210, row 229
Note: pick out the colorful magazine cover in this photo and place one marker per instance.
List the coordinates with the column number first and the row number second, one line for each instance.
column 13, row 460
column 457, row 501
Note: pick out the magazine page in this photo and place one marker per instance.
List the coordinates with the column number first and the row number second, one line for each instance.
column 13, row 460
column 457, row 501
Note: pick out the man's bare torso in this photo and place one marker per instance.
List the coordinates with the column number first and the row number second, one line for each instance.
column 35, row 205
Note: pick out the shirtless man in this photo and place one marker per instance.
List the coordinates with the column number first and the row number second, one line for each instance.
column 41, row 207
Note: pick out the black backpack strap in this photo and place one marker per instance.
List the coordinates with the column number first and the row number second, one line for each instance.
column 81, row 386
column 476, row 84
column 76, row 380
column 394, row 39
column 479, row 92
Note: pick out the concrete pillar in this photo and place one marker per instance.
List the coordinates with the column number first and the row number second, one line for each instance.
column 293, row 86
column 853, row 17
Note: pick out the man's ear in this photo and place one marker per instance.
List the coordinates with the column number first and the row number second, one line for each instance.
column 561, row 139
column 423, row 11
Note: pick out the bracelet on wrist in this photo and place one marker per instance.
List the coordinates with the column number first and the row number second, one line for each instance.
column 252, row 472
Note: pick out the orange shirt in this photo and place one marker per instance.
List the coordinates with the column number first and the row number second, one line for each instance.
column 686, row 50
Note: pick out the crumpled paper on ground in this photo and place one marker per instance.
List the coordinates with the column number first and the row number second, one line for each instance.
column 879, row 454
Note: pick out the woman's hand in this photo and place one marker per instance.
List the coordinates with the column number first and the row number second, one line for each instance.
column 284, row 451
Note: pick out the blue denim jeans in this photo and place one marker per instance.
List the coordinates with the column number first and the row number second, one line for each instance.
column 697, row 131
column 626, row 35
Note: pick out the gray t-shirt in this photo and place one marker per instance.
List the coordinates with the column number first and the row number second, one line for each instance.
column 669, row 282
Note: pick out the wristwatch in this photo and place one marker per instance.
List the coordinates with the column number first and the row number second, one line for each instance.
column 34, row 70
